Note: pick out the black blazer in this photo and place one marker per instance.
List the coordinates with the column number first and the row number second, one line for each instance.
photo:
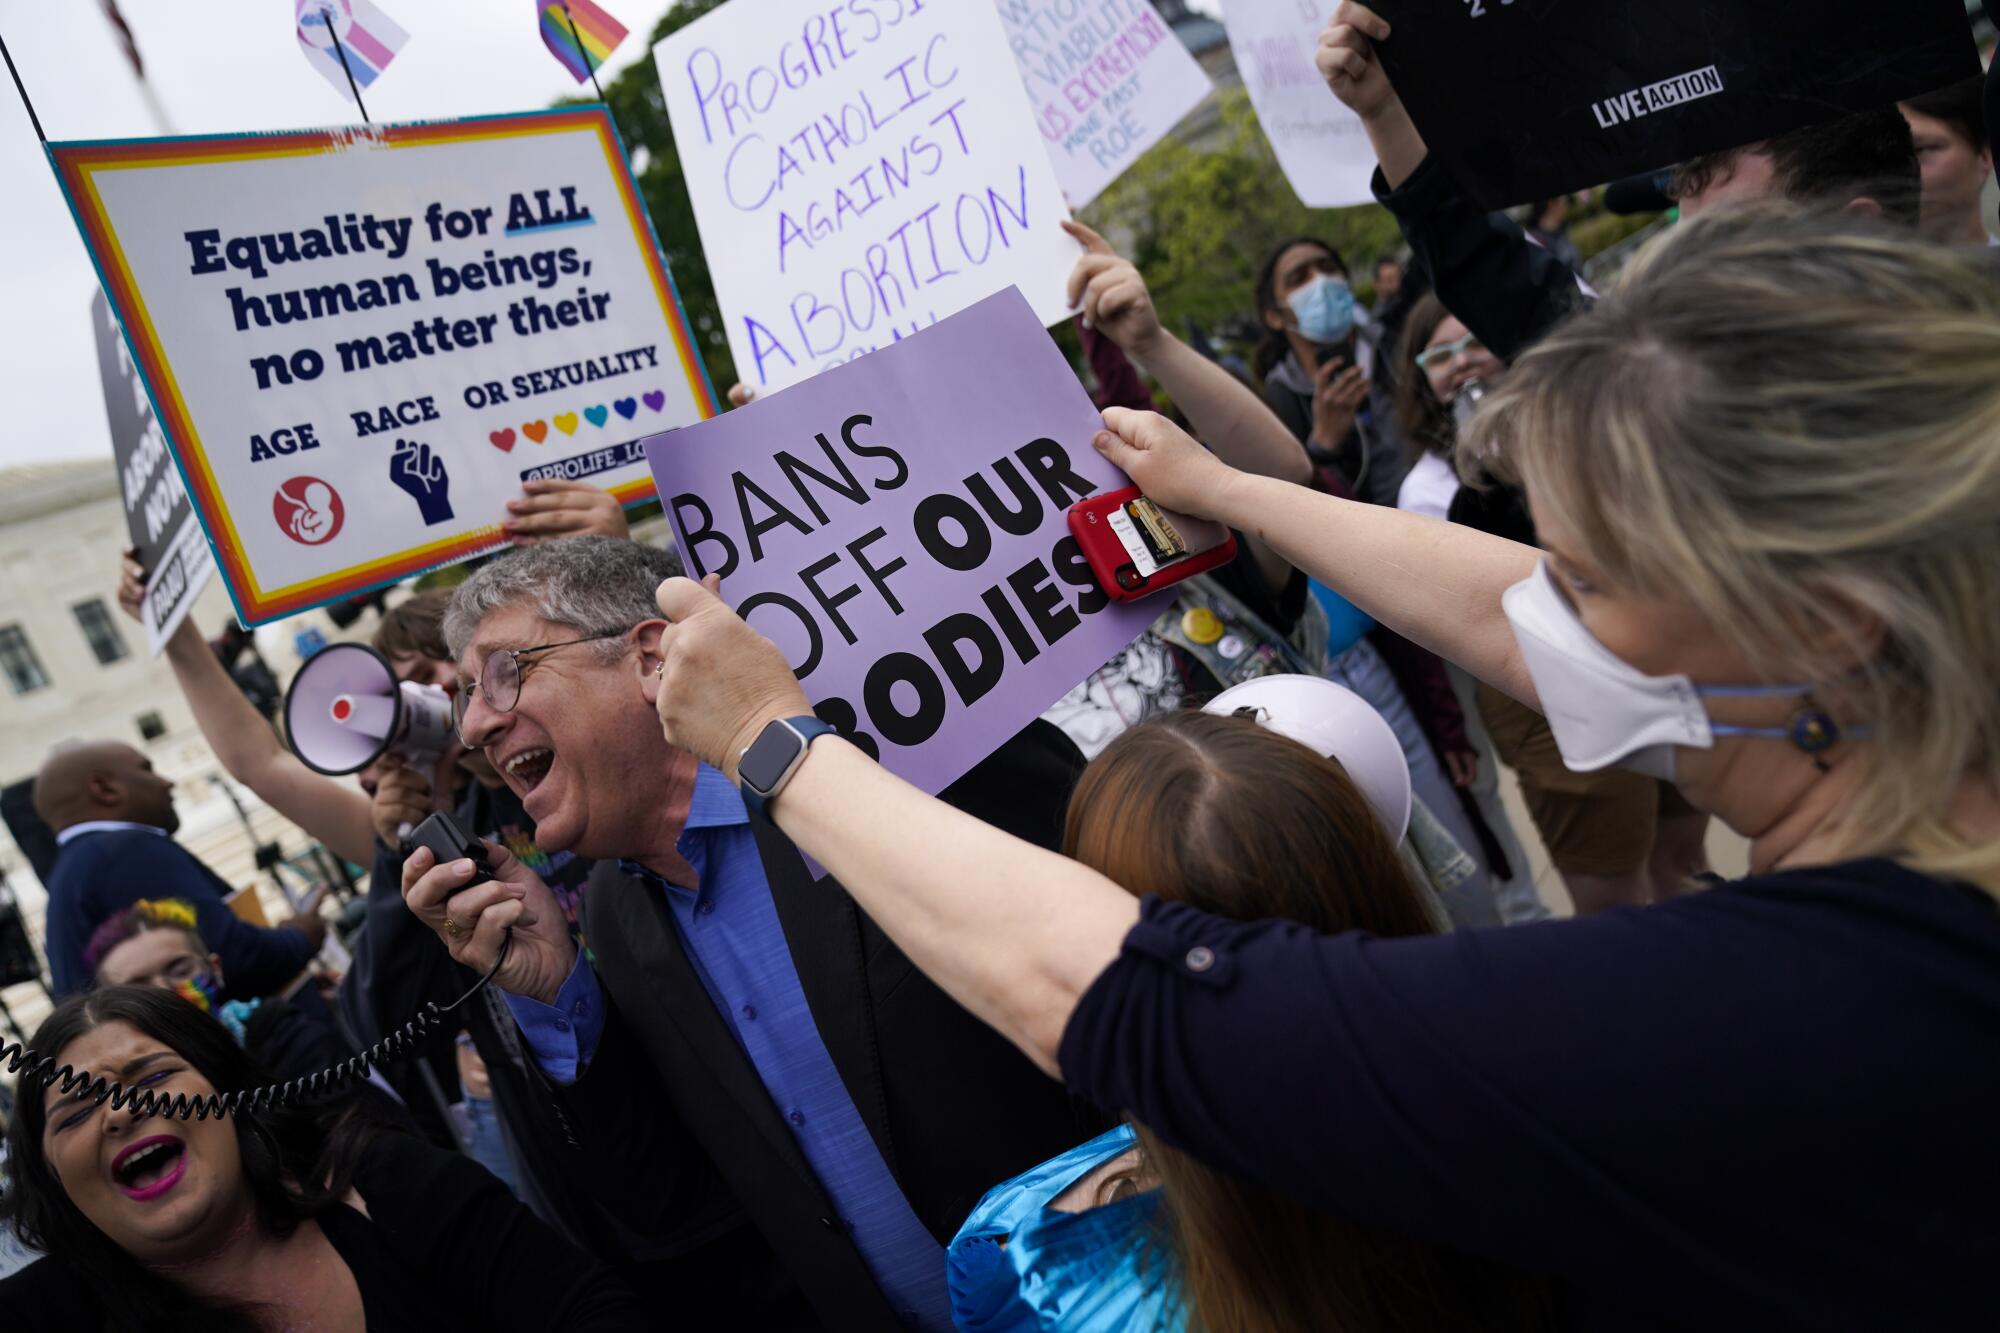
column 684, row 1142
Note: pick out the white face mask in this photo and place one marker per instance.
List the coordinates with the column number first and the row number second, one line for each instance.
column 1604, row 711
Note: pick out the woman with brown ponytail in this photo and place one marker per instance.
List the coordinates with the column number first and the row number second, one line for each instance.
column 1250, row 820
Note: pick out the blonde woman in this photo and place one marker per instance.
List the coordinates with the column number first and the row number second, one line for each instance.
column 1767, row 474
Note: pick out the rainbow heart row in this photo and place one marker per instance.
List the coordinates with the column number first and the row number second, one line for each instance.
column 568, row 422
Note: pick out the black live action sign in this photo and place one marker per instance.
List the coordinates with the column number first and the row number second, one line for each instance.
column 1523, row 99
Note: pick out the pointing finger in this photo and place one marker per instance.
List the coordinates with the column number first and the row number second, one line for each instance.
column 1092, row 242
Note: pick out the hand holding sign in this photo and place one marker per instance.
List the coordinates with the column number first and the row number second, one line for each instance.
column 132, row 589
column 1346, row 60
column 550, row 508
column 899, row 527
column 1164, row 462
column 131, row 584
column 719, row 681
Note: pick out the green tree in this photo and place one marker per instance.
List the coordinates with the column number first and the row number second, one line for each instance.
column 1198, row 215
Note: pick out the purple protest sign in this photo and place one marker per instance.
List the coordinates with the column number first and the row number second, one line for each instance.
column 898, row 526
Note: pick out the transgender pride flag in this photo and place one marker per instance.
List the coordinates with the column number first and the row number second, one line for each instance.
column 368, row 39
column 598, row 32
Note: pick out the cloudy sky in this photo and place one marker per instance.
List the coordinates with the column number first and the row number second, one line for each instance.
column 217, row 66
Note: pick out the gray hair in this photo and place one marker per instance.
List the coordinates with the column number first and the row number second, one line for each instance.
column 598, row 585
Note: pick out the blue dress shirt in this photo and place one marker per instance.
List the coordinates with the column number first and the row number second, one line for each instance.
column 732, row 935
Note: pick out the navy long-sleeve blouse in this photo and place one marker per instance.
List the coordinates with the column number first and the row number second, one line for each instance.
column 1774, row 1104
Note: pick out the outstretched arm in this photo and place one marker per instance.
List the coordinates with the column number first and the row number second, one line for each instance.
column 1228, row 417
column 333, row 812
column 1503, row 286
column 1347, row 61
column 1012, row 932
column 1437, row 584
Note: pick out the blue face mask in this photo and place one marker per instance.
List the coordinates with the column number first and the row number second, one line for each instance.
column 1324, row 308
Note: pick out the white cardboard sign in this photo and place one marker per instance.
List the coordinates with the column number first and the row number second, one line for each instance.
column 859, row 172
column 1320, row 144
column 361, row 342
column 1108, row 79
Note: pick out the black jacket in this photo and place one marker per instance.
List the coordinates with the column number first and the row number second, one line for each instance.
column 399, row 967
column 681, row 1132
column 1503, row 287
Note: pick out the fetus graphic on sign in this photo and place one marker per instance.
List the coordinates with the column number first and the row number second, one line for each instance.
column 308, row 511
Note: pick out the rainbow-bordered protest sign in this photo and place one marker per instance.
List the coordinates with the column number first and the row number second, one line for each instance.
column 361, row 342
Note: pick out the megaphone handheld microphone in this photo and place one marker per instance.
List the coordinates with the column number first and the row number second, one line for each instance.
column 447, row 841
column 346, row 709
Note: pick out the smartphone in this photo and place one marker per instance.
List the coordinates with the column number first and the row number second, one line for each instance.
column 1320, row 361
column 1136, row 548
column 448, row 841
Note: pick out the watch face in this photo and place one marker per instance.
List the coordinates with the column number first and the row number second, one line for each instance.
column 769, row 756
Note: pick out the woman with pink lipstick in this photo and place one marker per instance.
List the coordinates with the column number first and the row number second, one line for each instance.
column 286, row 1220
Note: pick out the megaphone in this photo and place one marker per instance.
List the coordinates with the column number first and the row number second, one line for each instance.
column 346, row 709
column 1334, row 721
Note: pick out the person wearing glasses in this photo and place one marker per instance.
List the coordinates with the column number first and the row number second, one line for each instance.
column 1453, row 369
column 740, row 1040
column 1616, row 837
column 488, row 1098
column 500, row 1114
column 157, row 943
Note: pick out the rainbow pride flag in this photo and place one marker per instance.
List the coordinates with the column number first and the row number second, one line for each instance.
column 366, row 36
column 600, row 35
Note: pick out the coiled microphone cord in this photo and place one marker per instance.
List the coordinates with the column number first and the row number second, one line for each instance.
column 149, row 1102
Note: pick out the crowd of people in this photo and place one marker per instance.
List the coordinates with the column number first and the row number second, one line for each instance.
column 1221, row 996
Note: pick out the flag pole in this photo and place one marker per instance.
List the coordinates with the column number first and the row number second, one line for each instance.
column 22, row 89
column 341, row 51
column 581, row 52
column 123, row 30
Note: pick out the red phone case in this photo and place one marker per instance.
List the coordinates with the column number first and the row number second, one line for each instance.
column 1117, row 565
